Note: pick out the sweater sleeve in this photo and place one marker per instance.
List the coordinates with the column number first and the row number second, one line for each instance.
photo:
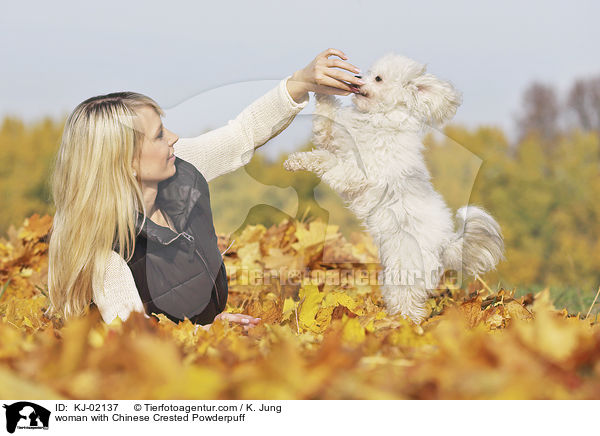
column 119, row 296
column 230, row 147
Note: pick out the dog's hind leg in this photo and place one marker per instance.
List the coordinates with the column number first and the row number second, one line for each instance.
column 412, row 269
column 405, row 289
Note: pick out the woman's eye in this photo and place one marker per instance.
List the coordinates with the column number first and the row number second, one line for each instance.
column 378, row 78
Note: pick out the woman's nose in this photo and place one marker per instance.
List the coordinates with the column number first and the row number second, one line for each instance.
column 174, row 137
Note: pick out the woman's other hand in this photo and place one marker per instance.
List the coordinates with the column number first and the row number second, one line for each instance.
column 322, row 77
column 246, row 321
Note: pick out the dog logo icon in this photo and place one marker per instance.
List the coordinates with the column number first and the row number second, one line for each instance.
column 26, row 415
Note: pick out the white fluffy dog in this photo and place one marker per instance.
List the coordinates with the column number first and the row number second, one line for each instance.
column 371, row 155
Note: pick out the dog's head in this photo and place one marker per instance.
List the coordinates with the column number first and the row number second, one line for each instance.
column 395, row 82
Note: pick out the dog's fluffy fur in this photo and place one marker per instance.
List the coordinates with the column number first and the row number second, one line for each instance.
column 371, row 155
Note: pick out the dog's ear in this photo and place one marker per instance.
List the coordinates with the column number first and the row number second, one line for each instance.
column 437, row 100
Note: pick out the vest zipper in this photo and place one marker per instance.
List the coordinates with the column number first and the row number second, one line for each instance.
column 178, row 235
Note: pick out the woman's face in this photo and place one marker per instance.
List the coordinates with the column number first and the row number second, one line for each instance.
column 154, row 164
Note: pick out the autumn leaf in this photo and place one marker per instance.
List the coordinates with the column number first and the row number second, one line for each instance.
column 321, row 339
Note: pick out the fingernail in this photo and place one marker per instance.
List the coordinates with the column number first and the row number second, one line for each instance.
column 362, row 82
column 357, row 70
column 245, row 320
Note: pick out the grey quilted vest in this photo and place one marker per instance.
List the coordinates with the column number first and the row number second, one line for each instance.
column 181, row 274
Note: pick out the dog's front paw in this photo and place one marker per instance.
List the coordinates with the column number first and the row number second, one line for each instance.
column 326, row 105
column 293, row 162
column 326, row 99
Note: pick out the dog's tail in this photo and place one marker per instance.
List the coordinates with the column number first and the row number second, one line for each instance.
column 477, row 245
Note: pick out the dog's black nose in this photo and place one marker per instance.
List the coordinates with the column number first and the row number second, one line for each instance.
column 360, row 77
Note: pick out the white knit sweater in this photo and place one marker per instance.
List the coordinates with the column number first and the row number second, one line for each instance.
column 214, row 153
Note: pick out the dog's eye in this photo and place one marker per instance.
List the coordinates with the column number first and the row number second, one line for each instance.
column 378, row 78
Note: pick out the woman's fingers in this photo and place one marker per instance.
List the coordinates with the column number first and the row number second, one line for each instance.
column 341, row 64
column 246, row 321
column 243, row 318
column 331, row 82
column 320, row 89
column 239, row 318
column 344, row 77
column 321, row 76
column 333, row 51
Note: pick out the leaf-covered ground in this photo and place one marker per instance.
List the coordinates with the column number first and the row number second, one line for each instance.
column 321, row 339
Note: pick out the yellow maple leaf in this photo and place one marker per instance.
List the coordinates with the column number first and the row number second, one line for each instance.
column 353, row 331
column 250, row 255
column 252, row 233
column 315, row 234
column 311, row 303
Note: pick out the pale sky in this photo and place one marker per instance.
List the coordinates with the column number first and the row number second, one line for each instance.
column 203, row 62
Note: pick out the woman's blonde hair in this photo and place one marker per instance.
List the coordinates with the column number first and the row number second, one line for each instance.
column 97, row 197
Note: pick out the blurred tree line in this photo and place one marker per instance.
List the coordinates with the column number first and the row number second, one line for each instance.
column 543, row 189
column 26, row 152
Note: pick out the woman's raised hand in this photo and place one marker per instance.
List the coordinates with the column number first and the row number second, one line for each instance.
column 322, row 77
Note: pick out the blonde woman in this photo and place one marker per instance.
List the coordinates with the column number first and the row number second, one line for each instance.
column 133, row 227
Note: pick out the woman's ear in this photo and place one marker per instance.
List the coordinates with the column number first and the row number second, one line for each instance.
column 135, row 167
column 437, row 100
